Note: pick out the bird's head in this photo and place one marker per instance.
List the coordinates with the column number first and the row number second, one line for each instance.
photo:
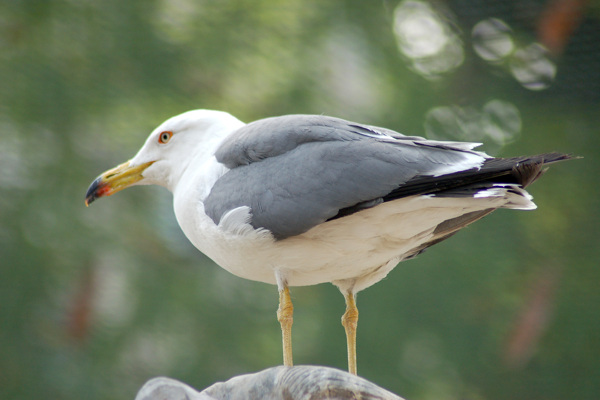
column 167, row 152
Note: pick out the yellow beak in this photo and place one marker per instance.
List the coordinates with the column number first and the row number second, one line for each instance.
column 114, row 180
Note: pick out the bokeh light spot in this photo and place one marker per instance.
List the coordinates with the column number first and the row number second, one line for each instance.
column 492, row 40
column 532, row 67
column 497, row 124
column 426, row 39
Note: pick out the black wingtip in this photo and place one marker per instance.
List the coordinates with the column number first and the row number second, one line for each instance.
column 532, row 168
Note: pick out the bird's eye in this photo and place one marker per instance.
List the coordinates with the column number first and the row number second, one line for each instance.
column 164, row 137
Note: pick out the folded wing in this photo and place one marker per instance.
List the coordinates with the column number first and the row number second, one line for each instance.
column 295, row 172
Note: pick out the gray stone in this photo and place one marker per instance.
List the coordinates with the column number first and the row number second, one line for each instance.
column 285, row 383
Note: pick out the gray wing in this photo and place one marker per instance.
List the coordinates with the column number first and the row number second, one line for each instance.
column 271, row 137
column 298, row 171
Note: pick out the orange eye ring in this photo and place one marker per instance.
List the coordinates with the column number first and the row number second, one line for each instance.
column 164, row 137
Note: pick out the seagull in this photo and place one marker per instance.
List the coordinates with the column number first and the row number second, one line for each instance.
column 300, row 200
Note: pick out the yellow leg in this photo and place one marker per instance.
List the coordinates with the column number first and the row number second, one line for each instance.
column 350, row 322
column 285, row 317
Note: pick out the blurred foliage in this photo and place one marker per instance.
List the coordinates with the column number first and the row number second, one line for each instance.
column 93, row 302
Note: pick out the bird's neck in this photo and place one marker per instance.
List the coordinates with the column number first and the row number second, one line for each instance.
column 202, row 170
column 191, row 190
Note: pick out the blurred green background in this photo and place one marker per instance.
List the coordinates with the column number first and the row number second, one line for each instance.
column 94, row 302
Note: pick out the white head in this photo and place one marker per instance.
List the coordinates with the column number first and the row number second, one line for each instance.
column 167, row 152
